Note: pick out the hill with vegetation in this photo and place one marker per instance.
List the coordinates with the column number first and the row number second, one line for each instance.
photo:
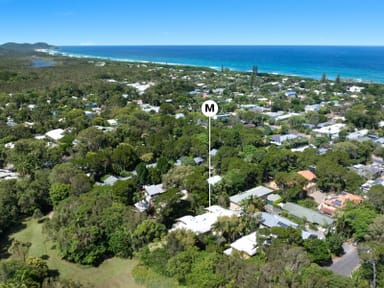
column 12, row 48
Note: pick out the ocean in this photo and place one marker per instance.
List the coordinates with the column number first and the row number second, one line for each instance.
column 360, row 63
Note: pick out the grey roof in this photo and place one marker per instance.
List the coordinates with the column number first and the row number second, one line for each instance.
column 198, row 160
column 309, row 214
column 258, row 192
column 273, row 197
column 111, row 180
column 271, row 220
column 153, row 190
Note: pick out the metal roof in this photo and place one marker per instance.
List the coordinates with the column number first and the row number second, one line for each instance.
column 258, row 192
column 309, row 214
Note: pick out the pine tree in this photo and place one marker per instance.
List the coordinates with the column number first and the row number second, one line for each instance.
column 323, row 78
column 338, row 80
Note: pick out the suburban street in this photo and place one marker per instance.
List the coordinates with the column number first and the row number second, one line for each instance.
column 346, row 264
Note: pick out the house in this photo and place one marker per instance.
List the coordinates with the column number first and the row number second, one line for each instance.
column 214, row 179
column 312, row 108
column 308, row 214
column 280, row 139
column 90, row 114
column 273, row 199
column 311, row 185
column 203, row 223
column 274, row 115
column 302, row 148
column 371, row 171
column 270, row 220
column 358, row 134
column 213, row 152
column 290, row 93
column 149, row 108
column 55, row 134
column 256, row 192
column 331, row 130
column 246, row 246
column 355, row 89
column 332, row 203
column 112, row 122
column 198, row 160
column 252, row 107
column 153, row 190
column 111, row 180
column 368, row 185
column 286, row 116
column 224, row 116
column 141, row 87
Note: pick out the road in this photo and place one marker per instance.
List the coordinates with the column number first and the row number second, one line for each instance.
column 346, row 264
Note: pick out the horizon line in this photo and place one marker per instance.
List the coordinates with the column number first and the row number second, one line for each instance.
column 242, row 45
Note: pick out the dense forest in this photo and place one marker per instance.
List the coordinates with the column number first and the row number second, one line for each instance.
column 107, row 132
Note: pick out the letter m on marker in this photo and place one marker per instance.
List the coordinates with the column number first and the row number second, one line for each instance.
column 209, row 108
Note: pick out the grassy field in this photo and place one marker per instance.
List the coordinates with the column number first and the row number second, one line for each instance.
column 114, row 272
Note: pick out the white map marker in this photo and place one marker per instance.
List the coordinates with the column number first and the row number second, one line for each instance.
column 209, row 108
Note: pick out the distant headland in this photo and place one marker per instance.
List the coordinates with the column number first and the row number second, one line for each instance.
column 11, row 48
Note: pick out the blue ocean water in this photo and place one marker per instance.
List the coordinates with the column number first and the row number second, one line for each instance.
column 353, row 62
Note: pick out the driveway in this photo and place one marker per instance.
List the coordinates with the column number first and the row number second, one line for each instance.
column 347, row 263
column 318, row 196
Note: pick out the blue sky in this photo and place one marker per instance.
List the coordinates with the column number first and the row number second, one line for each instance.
column 184, row 22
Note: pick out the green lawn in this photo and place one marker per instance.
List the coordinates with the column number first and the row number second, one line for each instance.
column 114, row 272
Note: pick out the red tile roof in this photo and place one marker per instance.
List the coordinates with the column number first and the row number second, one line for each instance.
column 307, row 175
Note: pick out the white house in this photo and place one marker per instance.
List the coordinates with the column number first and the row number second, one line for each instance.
column 214, row 179
column 245, row 245
column 331, row 130
column 355, row 89
column 203, row 223
column 153, row 190
column 55, row 134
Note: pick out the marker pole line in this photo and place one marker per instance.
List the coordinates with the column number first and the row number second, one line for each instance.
column 209, row 160
column 209, row 108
